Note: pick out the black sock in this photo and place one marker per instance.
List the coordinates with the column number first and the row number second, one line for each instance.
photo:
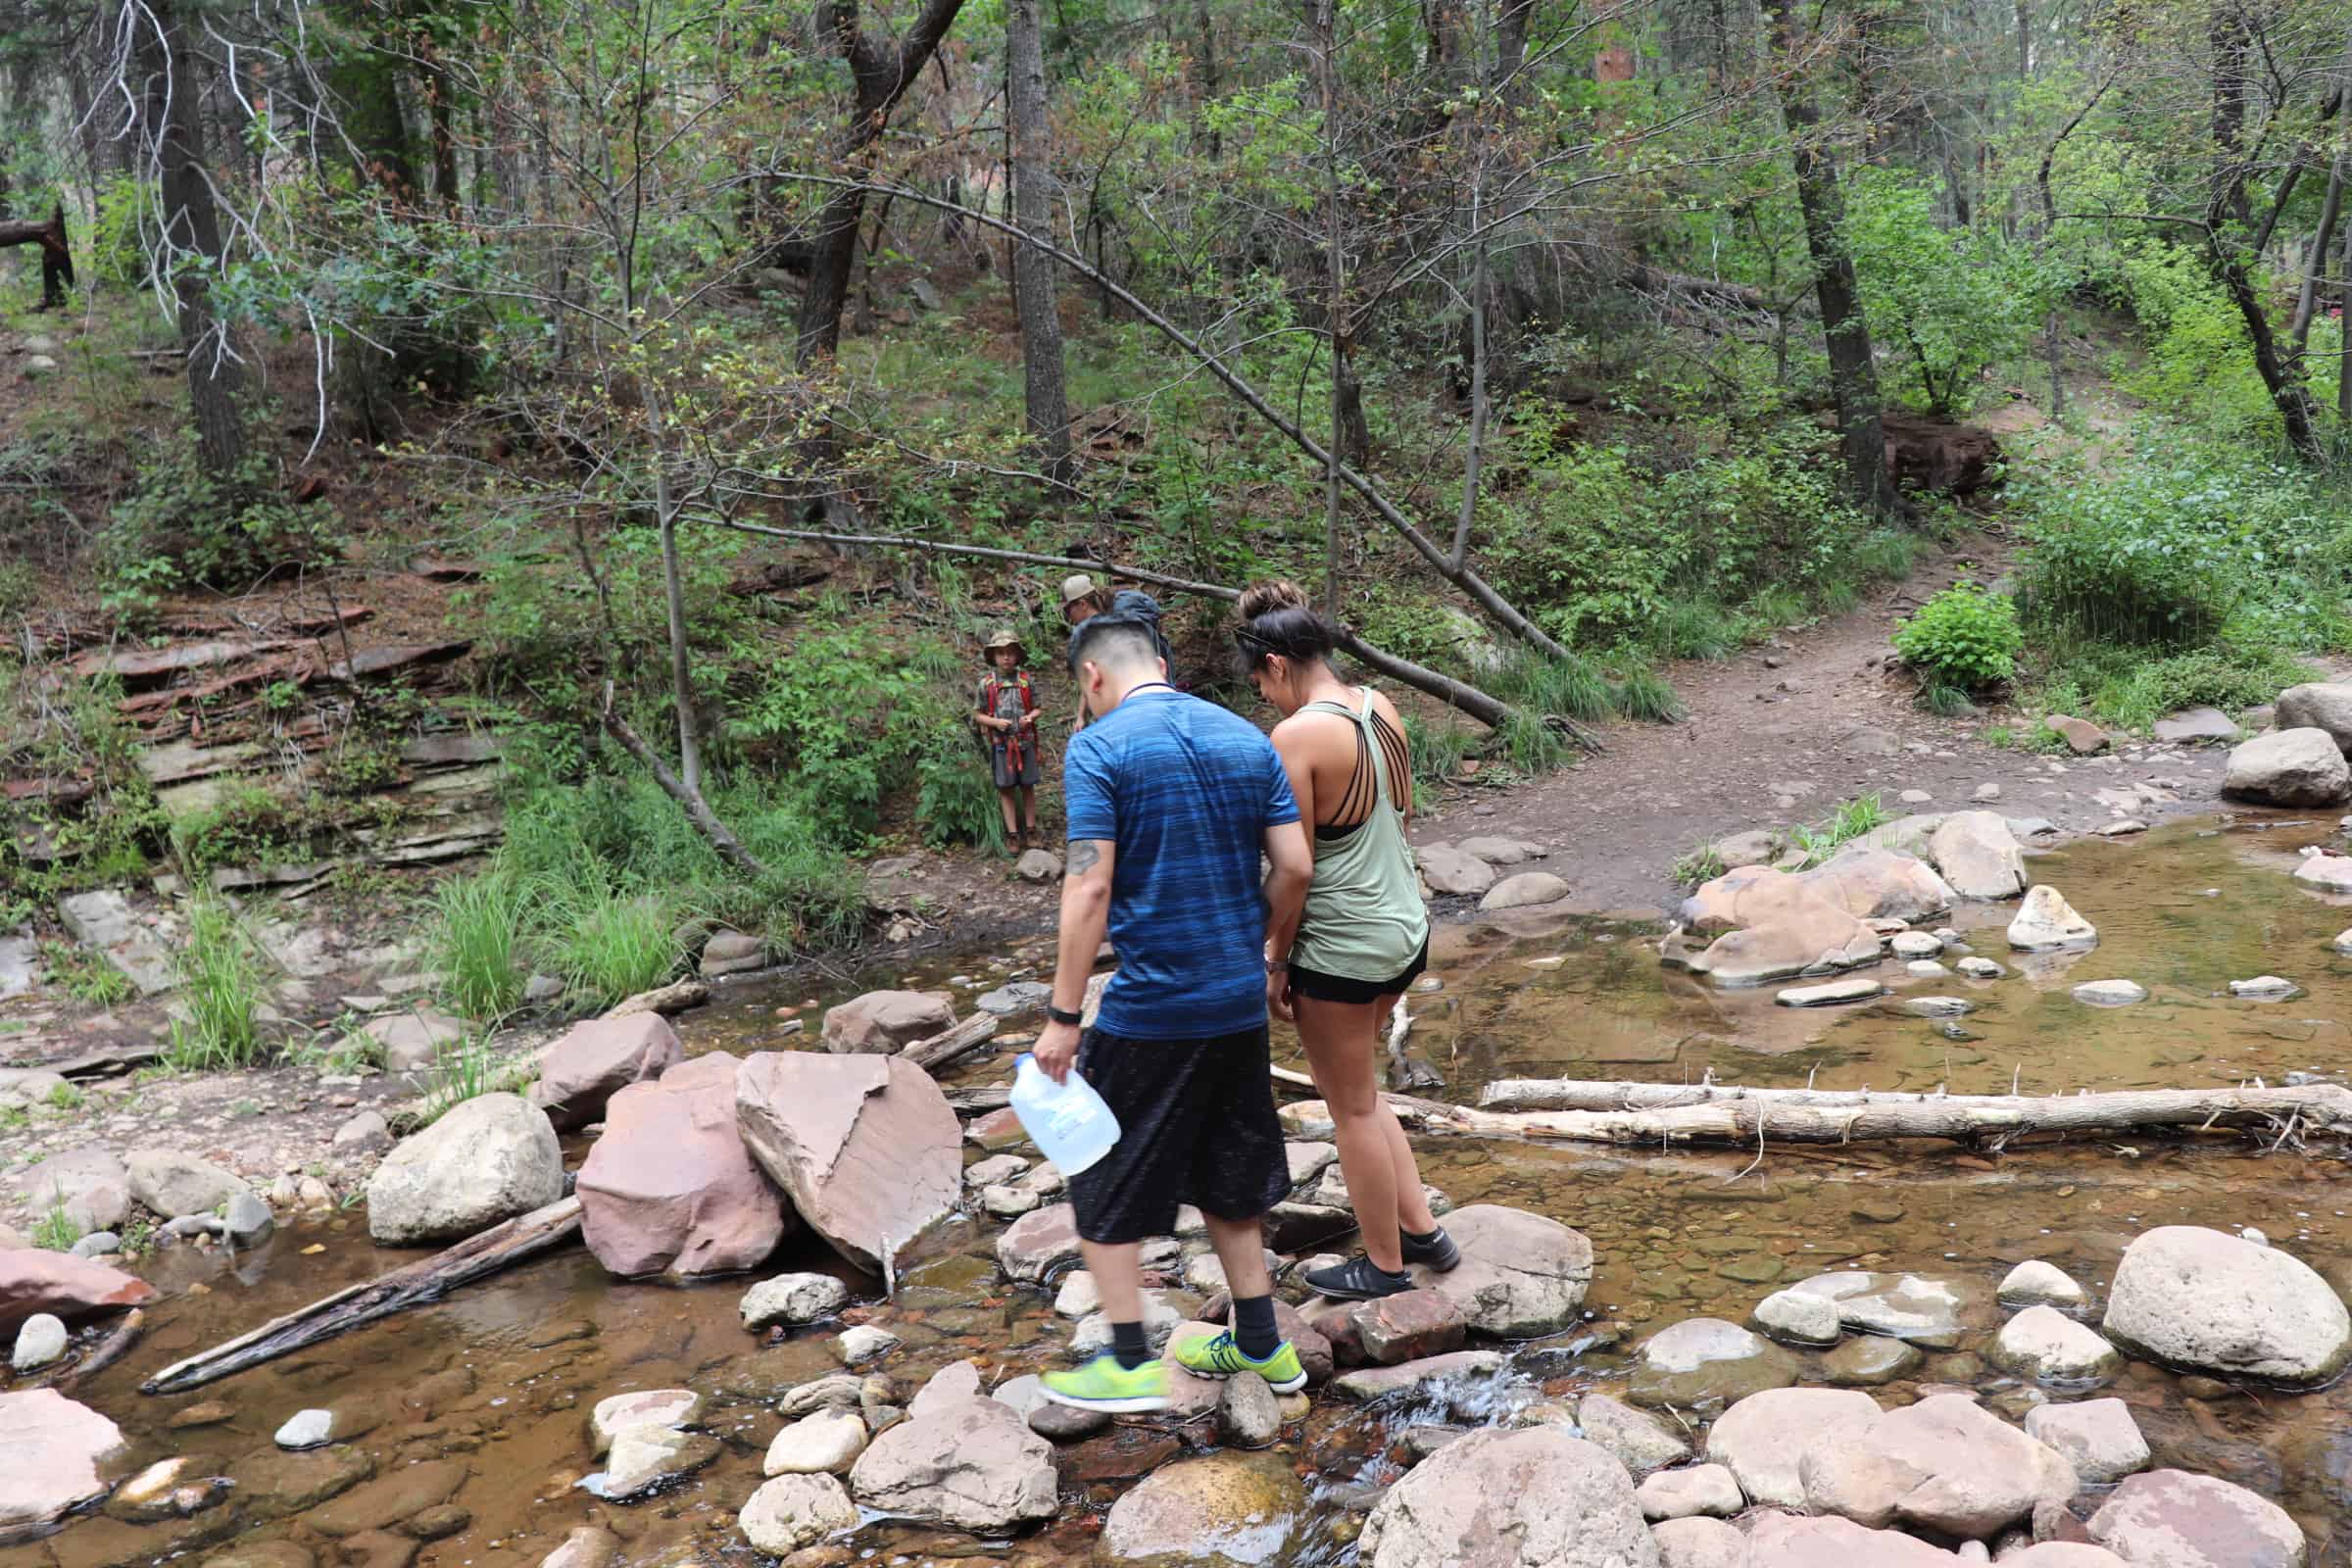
column 1253, row 1327
column 1128, row 1343
column 1422, row 1237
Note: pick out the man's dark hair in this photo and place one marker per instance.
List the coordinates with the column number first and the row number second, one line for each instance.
column 1115, row 641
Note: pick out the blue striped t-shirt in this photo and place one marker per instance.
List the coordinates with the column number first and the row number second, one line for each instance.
column 1186, row 790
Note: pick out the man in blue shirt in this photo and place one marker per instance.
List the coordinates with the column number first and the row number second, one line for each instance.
column 1170, row 801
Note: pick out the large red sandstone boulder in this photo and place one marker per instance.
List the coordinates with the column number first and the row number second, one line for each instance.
column 670, row 1187
column 54, row 1446
column 882, row 1022
column 866, row 1146
column 35, row 1281
column 589, row 1063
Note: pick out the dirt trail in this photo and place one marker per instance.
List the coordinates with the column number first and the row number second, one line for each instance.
column 1778, row 735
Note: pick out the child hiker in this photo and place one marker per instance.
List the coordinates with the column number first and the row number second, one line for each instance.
column 1006, row 713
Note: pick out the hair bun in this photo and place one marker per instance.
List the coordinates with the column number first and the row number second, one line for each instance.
column 1263, row 599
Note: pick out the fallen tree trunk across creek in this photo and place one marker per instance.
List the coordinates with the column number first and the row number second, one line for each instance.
column 416, row 1284
column 1581, row 1111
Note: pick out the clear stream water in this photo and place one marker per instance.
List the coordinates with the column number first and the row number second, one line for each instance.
column 496, row 1382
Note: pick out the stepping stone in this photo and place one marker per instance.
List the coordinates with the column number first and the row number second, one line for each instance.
column 1829, row 994
column 2110, row 992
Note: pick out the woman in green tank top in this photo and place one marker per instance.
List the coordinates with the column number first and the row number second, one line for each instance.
column 1363, row 936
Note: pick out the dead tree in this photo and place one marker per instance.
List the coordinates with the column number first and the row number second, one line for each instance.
column 1033, row 268
column 57, row 261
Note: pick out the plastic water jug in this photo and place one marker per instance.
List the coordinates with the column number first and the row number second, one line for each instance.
column 1067, row 1121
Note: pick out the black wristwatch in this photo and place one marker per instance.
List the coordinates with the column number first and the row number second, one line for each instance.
column 1062, row 1015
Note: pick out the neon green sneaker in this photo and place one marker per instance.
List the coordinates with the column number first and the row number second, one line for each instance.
column 1105, row 1385
column 1221, row 1357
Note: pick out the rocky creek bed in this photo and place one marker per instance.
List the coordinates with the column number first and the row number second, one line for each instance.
column 1679, row 1356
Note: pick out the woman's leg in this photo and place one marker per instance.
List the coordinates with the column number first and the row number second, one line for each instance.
column 1412, row 1204
column 1339, row 1040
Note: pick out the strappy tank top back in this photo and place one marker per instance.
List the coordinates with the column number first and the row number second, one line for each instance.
column 1364, row 918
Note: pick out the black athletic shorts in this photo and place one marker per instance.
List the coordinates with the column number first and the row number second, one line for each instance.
column 1197, row 1125
column 1323, row 987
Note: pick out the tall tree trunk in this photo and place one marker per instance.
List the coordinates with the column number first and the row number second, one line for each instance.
column 2307, row 302
column 2344, row 342
column 1853, row 372
column 1510, row 49
column 882, row 75
column 1334, row 265
column 191, row 240
column 1032, row 267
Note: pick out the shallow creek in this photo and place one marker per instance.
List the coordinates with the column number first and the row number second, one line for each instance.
column 491, row 1389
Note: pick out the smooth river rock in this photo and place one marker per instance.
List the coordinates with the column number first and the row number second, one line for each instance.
column 2289, row 767
column 33, row 1280
column 1933, row 1313
column 792, row 1511
column 55, row 1446
column 489, row 1159
column 1945, row 1464
column 2173, row 1519
column 2099, row 1437
column 2046, row 923
column 1641, row 1440
column 1224, row 1510
column 970, row 1464
column 1522, row 1275
column 2045, row 1344
column 2034, row 1282
column 1979, row 855
column 1763, row 1438
column 883, row 1022
column 1533, row 1499
column 2208, row 1302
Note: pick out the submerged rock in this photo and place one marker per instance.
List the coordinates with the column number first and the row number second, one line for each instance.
column 1829, row 994
column 2208, row 1302
column 1795, row 1318
column 2110, row 992
column 1927, row 1311
column 792, row 1301
column 1511, row 1500
column 54, row 1446
column 1704, row 1363
column 2265, row 988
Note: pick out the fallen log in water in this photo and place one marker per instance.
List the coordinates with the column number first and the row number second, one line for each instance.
column 1668, row 1113
column 107, row 1352
column 941, row 1048
column 416, row 1284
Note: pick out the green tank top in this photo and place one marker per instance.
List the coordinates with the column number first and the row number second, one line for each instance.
column 1364, row 918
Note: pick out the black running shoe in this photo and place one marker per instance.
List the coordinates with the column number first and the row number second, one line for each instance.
column 1438, row 1254
column 1359, row 1279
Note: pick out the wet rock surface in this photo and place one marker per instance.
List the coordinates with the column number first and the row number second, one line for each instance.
column 1511, row 1500
column 2209, row 1302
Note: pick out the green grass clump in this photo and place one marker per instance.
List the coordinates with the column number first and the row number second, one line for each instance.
column 1816, row 841
column 56, row 1230
column 611, row 945
column 475, row 936
column 85, row 976
column 221, row 982
column 1704, row 863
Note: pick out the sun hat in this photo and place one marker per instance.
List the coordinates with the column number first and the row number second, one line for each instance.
column 1075, row 587
column 1002, row 637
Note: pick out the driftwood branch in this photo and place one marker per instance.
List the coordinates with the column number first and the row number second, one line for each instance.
column 416, row 1284
column 690, row 800
column 1705, row 1114
column 941, row 1048
column 107, row 1352
column 1488, row 711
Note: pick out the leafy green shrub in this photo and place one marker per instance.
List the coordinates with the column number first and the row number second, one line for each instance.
column 957, row 797
column 180, row 525
column 1964, row 637
column 1955, row 299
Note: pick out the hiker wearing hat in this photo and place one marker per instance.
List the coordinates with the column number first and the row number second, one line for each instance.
column 1004, row 712
column 1083, row 599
